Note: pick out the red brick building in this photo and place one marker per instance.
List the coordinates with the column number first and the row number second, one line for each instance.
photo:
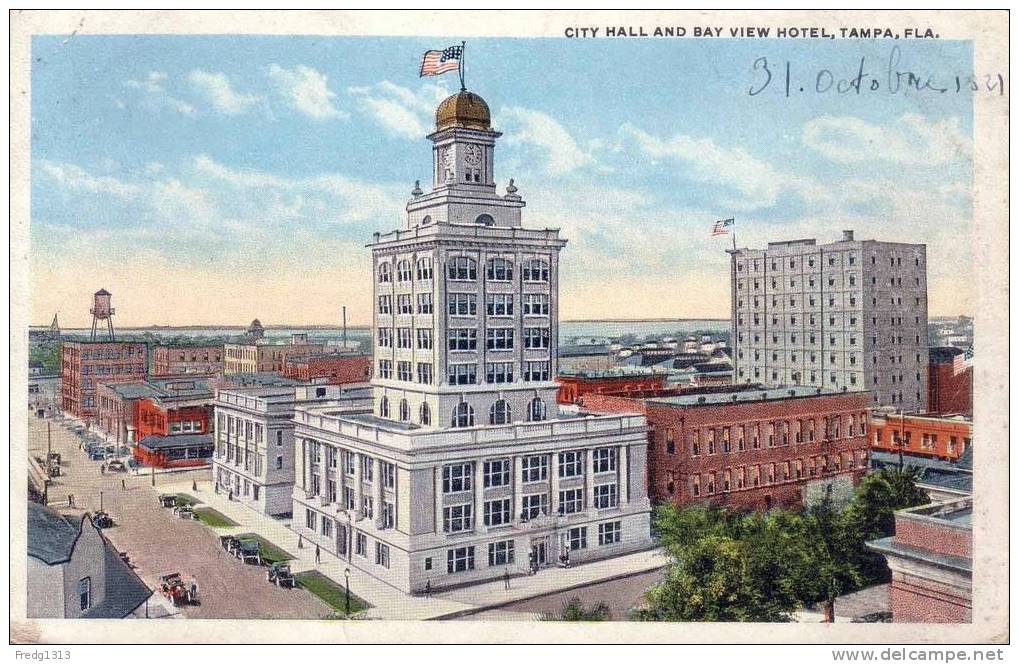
column 155, row 417
column 335, row 369
column 119, row 404
column 85, row 364
column 931, row 558
column 174, row 428
column 920, row 435
column 574, row 385
column 949, row 383
column 750, row 448
column 182, row 360
column 181, row 451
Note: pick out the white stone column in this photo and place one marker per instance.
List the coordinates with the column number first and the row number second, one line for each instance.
column 479, row 495
column 341, row 477
column 358, row 511
column 438, row 499
column 377, row 491
column 518, row 489
column 624, row 468
column 553, row 499
column 589, row 479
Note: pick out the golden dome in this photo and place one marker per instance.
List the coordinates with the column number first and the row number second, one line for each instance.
column 464, row 109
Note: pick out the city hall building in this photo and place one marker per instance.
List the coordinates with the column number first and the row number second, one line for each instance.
column 466, row 470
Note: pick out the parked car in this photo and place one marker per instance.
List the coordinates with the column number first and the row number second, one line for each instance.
column 249, row 553
column 97, row 455
column 280, row 574
column 167, row 499
column 116, row 466
column 230, row 544
column 102, row 520
column 184, row 512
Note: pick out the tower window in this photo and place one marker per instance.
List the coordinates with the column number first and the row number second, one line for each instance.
column 485, row 220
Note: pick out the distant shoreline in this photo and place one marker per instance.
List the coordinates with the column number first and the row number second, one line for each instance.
column 320, row 326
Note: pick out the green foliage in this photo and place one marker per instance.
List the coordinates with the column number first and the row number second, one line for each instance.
column 574, row 610
column 331, row 593
column 48, row 353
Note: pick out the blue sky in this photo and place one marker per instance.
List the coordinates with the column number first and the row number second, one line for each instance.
column 214, row 179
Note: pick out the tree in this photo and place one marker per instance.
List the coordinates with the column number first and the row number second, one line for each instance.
column 573, row 610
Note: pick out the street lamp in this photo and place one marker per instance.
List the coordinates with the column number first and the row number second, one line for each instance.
column 100, row 501
column 346, row 574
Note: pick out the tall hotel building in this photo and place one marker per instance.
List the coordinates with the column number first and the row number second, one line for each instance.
column 465, row 470
column 850, row 315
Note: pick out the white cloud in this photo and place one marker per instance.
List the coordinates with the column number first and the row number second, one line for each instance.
column 216, row 87
column 539, row 130
column 156, row 96
column 911, row 140
column 75, row 178
column 401, row 111
column 306, row 90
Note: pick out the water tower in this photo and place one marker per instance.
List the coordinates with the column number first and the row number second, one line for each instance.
column 102, row 310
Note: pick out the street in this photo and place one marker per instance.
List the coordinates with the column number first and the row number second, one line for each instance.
column 159, row 543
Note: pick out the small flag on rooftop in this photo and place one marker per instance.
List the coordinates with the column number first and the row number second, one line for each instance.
column 438, row 62
column 722, row 226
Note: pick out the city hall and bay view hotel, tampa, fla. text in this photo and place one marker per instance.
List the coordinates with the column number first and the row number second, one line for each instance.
column 466, row 470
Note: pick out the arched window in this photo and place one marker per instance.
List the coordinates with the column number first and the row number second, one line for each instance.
column 385, row 273
column 536, row 410
column 427, row 220
column 535, row 270
column 499, row 269
column 426, row 414
column 485, row 220
column 404, row 411
column 424, row 269
column 462, row 268
column 384, row 407
column 403, row 272
column 463, row 415
column 499, row 413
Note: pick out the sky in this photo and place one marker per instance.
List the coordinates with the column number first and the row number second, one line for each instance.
column 215, row 179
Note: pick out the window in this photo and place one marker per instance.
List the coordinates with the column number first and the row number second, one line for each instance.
column 404, row 305
column 500, row 553
column 499, row 339
column 536, row 410
column 456, row 477
column 279, row 463
column 605, row 496
column 604, row 460
column 385, row 273
column 462, row 304
column 424, row 373
column 497, row 473
column 499, row 413
column 426, row 414
column 533, row 506
column 460, row 560
column 535, row 270
column 536, row 337
column 456, row 518
column 403, row 337
column 534, row 468
column 499, row 269
column 463, row 416
column 388, row 514
column 385, row 337
column 578, row 538
column 537, row 371
column 367, row 507
column 499, row 305
column 424, row 303
column 499, row 372
column 424, row 269
column 348, row 498
column 84, row 590
column 310, row 519
column 403, row 271
column 462, row 268
column 535, row 305
column 462, row 339
column 609, row 533
column 361, row 544
column 571, row 464
column 403, row 371
column 382, row 554
column 424, row 337
column 384, row 407
column 497, row 512
column 366, row 468
column 385, row 304
column 404, row 411
column 463, row 374
column 327, row 528
column 571, row 501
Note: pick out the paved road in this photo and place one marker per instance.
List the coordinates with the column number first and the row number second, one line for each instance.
column 620, row 595
column 158, row 542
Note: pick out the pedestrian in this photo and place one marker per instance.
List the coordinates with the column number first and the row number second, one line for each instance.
column 123, row 484
column 194, row 590
column 300, row 542
column 505, row 577
column 70, row 500
column 194, row 485
column 318, row 554
column 428, row 588
column 102, row 469
column 230, row 495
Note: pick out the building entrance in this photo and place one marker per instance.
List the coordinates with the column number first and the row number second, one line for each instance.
column 539, row 552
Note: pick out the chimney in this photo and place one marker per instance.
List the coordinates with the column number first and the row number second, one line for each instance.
column 847, row 236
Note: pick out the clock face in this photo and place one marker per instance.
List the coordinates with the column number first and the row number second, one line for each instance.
column 472, row 154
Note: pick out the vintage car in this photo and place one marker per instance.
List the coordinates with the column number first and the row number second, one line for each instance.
column 280, row 574
column 54, row 457
column 101, row 519
column 96, row 454
column 116, row 466
column 184, row 512
column 172, row 587
column 248, row 552
column 54, row 469
column 167, row 499
column 230, row 544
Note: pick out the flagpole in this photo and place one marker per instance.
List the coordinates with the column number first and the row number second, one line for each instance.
column 463, row 53
column 734, row 233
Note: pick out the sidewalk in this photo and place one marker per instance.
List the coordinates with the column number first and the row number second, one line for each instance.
column 392, row 604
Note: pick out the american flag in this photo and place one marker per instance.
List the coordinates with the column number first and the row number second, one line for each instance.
column 439, row 62
column 721, row 227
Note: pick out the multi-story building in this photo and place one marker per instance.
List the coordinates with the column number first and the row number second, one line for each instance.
column 949, row 382
column 181, row 360
column 254, row 458
column 263, row 355
column 85, row 364
column 575, row 384
column 944, row 438
column 749, row 448
column 466, row 470
column 846, row 315
column 333, row 368
column 118, row 405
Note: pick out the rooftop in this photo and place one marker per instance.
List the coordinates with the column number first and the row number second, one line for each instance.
column 181, row 440
column 746, row 396
column 51, row 537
